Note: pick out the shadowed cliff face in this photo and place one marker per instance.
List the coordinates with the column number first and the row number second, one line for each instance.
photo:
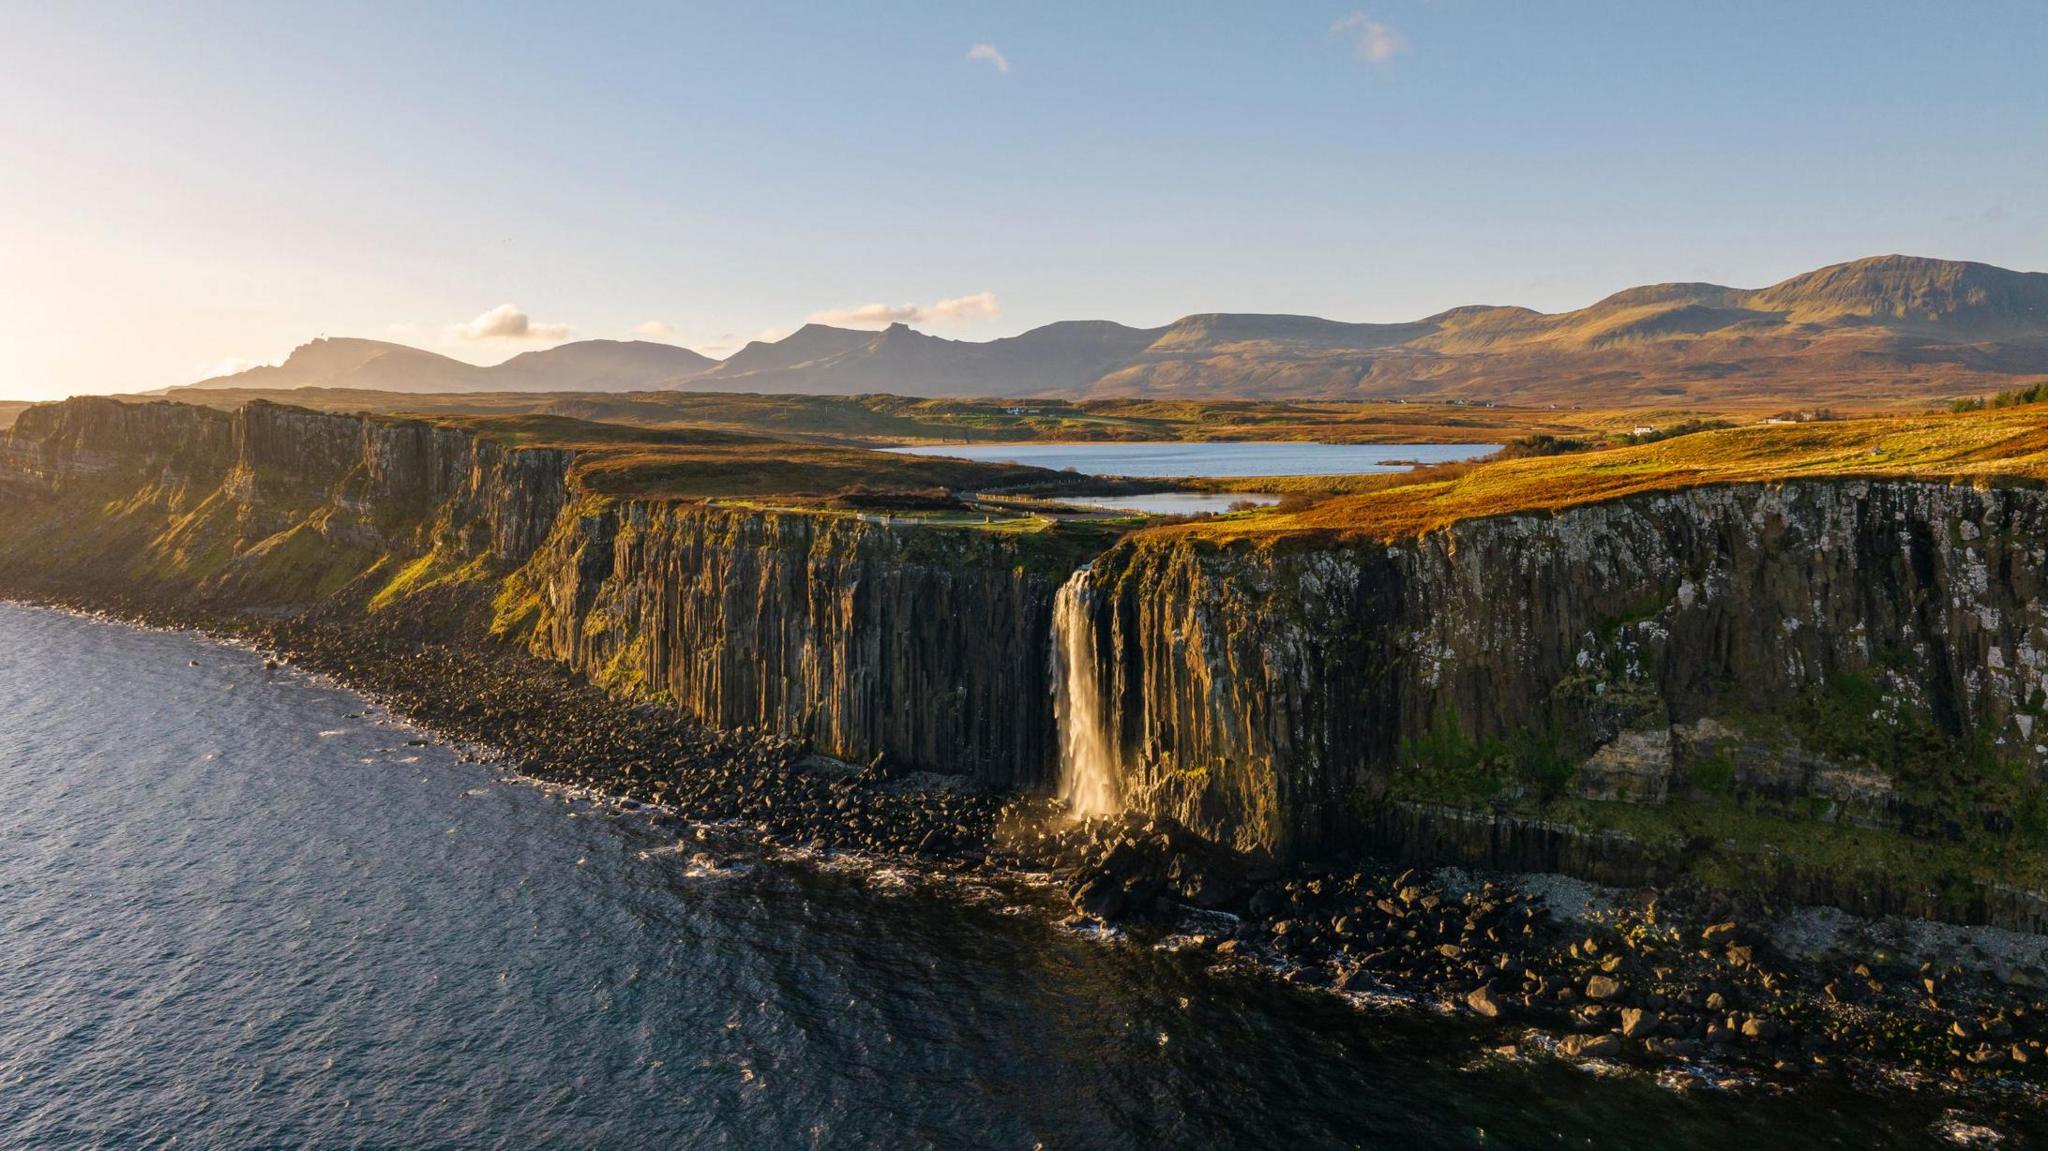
column 929, row 647
column 1870, row 654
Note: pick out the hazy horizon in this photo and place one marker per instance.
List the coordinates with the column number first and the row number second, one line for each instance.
column 189, row 193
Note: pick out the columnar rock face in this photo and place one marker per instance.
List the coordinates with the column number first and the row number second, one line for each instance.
column 1265, row 695
column 373, row 484
column 1246, row 692
column 929, row 647
column 54, row 446
column 489, row 497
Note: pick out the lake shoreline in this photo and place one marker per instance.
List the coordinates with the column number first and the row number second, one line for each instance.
column 1209, row 461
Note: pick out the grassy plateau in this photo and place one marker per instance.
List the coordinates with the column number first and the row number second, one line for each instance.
column 1996, row 445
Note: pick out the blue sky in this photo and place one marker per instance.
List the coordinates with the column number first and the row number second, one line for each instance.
column 190, row 185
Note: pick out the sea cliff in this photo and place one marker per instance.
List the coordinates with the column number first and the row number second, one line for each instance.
column 1853, row 655
column 863, row 637
column 1816, row 689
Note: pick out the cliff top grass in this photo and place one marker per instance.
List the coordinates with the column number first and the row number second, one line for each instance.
column 1998, row 445
column 783, row 469
column 890, row 419
column 696, row 464
column 10, row 409
column 702, row 463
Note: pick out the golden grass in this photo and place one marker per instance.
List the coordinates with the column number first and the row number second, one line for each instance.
column 699, row 463
column 2001, row 445
column 781, row 469
column 886, row 419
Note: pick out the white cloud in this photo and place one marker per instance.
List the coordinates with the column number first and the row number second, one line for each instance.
column 225, row 366
column 655, row 330
column 987, row 54
column 507, row 322
column 1375, row 43
column 962, row 310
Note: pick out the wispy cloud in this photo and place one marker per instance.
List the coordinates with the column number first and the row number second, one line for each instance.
column 962, row 310
column 507, row 322
column 655, row 330
column 987, row 54
column 1375, row 43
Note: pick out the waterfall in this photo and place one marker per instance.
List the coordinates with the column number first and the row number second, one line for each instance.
column 1088, row 780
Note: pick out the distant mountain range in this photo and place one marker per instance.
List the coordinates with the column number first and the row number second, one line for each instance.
column 584, row 366
column 1885, row 328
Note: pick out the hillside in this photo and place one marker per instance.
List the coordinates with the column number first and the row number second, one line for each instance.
column 1054, row 359
column 375, row 365
column 888, row 419
column 1889, row 330
column 2001, row 446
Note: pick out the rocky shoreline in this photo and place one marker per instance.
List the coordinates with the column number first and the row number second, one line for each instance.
column 1678, row 983
column 1661, row 980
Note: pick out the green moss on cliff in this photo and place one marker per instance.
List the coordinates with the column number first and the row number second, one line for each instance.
column 1959, row 785
column 1731, row 846
column 1446, row 765
column 299, row 565
column 625, row 672
column 437, row 568
column 1713, row 774
column 193, row 546
column 517, row 608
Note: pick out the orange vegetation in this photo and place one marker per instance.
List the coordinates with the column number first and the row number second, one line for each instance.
column 699, row 463
column 2006, row 445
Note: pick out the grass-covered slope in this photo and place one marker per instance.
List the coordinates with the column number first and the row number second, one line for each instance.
column 2008, row 445
column 697, row 463
column 896, row 419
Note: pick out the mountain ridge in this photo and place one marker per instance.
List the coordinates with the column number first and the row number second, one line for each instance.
column 583, row 365
column 1883, row 327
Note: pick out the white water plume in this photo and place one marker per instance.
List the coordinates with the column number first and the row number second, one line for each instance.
column 1088, row 778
